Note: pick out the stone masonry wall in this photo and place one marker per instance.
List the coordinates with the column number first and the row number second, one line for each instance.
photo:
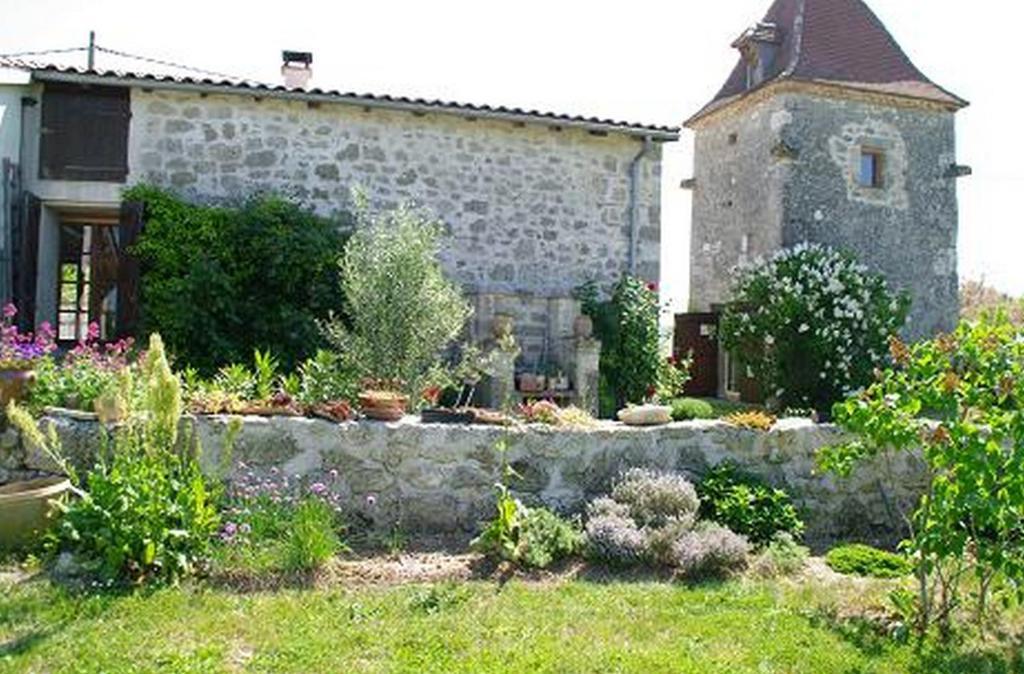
column 530, row 209
column 783, row 170
column 906, row 229
column 737, row 199
column 437, row 478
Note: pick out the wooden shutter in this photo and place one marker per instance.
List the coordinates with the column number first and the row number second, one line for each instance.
column 26, row 265
column 128, row 273
column 84, row 133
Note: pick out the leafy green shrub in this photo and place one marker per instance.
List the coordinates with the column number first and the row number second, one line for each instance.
column 220, row 282
column 957, row 399
column 145, row 511
column 812, row 325
column 627, row 325
column 324, row 377
column 863, row 560
column 746, row 505
column 403, row 311
column 783, row 556
column 313, row 537
column 82, row 375
column 684, row 409
column 532, row 537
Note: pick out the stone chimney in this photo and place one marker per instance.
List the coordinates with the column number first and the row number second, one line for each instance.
column 296, row 68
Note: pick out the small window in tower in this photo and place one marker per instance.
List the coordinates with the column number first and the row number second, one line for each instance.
column 872, row 164
column 733, row 138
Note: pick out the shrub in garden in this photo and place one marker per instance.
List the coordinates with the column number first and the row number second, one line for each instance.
column 812, row 324
column 655, row 498
column 783, row 556
column 276, row 523
column 219, row 282
column 685, row 409
column 957, row 399
column 144, row 511
column 754, row 420
column 747, row 505
column 84, row 374
column 863, row 560
column 403, row 312
column 632, row 367
column 531, row 537
column 710, row 550
column 650, row 518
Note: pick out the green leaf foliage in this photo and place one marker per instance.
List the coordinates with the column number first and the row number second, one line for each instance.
column 747, row 505
column 957, row 403
column 220, row 282
column 685, row 409
column 858, row 559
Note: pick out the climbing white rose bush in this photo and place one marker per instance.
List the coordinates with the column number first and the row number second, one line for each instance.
column 812, row 324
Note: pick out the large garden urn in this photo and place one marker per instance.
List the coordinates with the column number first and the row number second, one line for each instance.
column 27, row 509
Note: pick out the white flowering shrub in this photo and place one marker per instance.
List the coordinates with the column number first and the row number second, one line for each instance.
column 710, row 550
column 812, row 324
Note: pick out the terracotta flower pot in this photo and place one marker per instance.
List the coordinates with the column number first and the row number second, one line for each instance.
column 14, row 385
column 27, row 507
column 383, row 405
column 532, row 383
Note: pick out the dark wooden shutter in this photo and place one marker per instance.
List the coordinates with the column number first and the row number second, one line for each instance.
column 84, row 133
column 128, row 272
column 26, row 261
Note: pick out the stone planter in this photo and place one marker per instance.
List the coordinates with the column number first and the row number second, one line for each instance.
column 583, row 327
column 646, row 415
column 383, row 405
column 26, row 508
column 14, row 385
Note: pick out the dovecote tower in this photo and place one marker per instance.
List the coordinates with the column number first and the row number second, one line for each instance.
column 826, row 132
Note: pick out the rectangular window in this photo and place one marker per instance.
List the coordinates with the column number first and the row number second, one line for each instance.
column 87, row 281
column 84, row 133
column 871, row 166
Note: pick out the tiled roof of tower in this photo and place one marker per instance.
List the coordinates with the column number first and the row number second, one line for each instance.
column 50, row 71
column 835, row 42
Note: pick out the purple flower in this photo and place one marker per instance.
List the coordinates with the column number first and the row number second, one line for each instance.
column 318, row 488
column 230, row 528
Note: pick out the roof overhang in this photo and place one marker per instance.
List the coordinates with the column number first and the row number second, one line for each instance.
column 596, row 126
column 870, row 92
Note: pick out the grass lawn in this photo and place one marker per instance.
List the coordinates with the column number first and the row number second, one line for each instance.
column 473, row 626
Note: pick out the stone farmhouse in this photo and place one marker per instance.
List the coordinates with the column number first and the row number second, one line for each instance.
column 823, row 132
column 536, row 203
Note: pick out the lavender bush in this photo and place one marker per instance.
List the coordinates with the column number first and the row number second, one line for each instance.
column 656, row 498
column 651, row 518
column 710, row 550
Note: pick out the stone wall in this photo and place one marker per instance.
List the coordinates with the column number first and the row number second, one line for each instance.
column 530, row 208
column 907, row 228
column 433, row 478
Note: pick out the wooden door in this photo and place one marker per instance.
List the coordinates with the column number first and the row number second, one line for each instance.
column 697, row 334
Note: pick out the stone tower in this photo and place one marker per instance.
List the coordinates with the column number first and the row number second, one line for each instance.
column 826, row 132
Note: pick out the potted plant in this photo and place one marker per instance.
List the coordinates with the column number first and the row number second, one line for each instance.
column 383, row 400
column 19, row 353
column 531, row 382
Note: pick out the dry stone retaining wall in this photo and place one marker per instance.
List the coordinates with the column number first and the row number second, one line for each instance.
column 439, row 478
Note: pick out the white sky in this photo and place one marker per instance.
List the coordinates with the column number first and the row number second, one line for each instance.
column 643, row 60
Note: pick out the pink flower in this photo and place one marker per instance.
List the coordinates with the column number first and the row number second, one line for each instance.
column 93, row 331
column 10, row 311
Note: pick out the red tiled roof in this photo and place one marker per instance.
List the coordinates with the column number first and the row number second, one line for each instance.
column 46, row 71
column 836, row 42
